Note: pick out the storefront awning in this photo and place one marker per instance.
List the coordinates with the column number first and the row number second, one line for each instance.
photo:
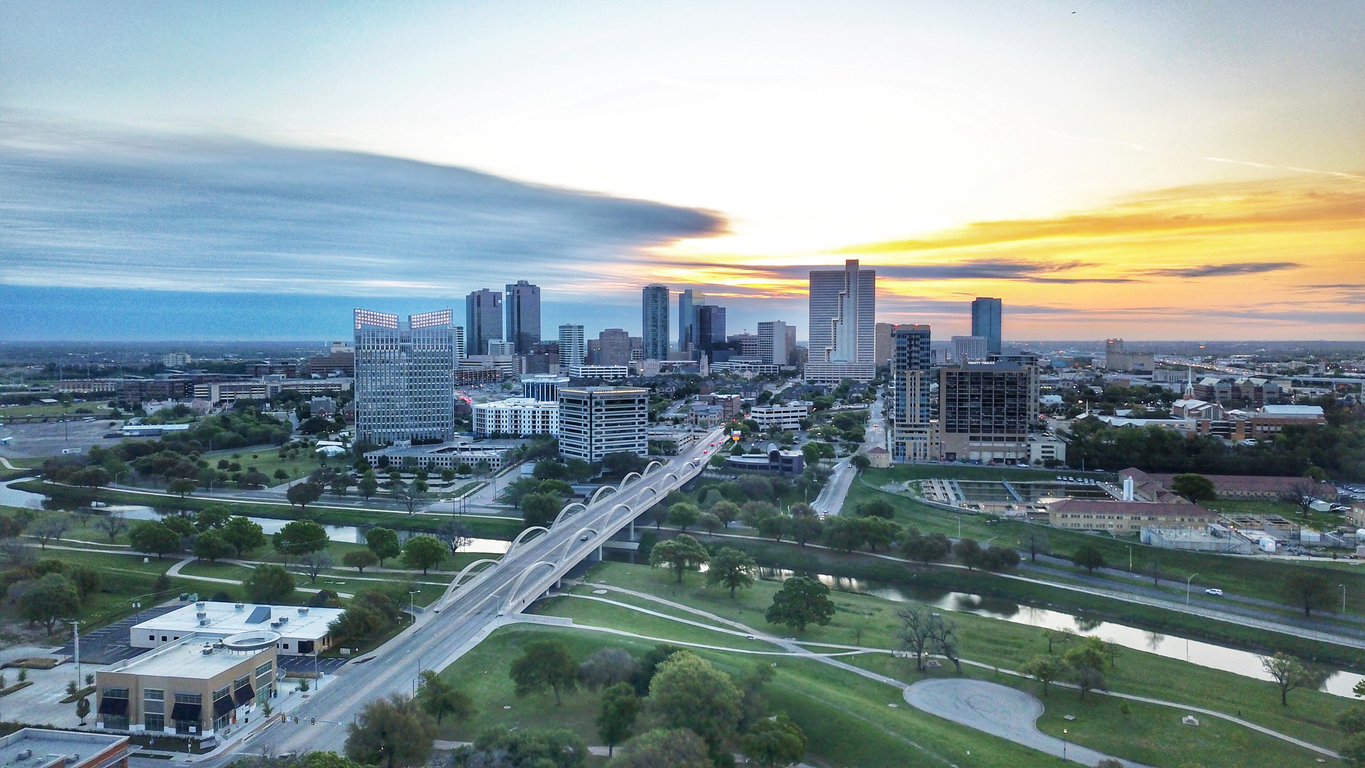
column 110, row 706
column 244, row 695
column 222, row 706
column 188, row 712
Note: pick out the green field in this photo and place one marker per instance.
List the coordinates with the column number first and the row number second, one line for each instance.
column 266, row 458
column 848, row 717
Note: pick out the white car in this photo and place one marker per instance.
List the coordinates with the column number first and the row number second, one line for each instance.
column 1214, row 591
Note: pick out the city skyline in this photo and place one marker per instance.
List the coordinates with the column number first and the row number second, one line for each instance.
column 1105, row 170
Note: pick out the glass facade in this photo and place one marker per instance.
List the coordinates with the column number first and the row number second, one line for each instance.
column 404, row 377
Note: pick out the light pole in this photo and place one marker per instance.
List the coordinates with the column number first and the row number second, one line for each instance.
column 1187, row 587
column 1343, row 597
column 76, row 632
column 412, row 604
column 1130, row 559
column 1063, row 743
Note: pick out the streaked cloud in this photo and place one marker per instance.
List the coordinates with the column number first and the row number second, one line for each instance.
column 1220, row 270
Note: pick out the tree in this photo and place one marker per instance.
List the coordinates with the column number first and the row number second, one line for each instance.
column 1045, row 668
column 211, row 518
column 211, row 546
column 154, row 538
column 710, row 522
column 801, row 601
column 1307, row 588
column 525, row 748
column 616, row 715
column 1287, row 672
column 875, row 508
column 726, row 511
column 454, row 533
column 341, row 483
column 968, row 552
column 424, row 552
column 861, row 462
column 683, row 515
column 549, row 469
column 85, row 580
column 731, row 568
column 607, row 667
column 383, row 542
column 539, row 509
column 680, row 553
column 315, row 563
column 50, row 599
column 1088, row 557
column 844, row 532
column 1087, row 664
column 545, row 664
column 83, row 709
column 304, row 494
column 664, row 748
column 773, row 526
column 49, row 526
column 112, row 524
column 439, row 698
column 688, row 692
column 183, row 486
column 804, row 527
column 1194, row 487
column 300, row 537
column 880, row 532
column 243, row 534
column 391, row 733
column 269, row 584
column 368, row 485
column 359, row 559
column 774, row 743
column 811, row 453
column 926, row 549
column 281, row 474
column 923, row 632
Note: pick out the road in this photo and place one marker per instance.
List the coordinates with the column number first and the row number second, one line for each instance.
column 457, row 622
column 831, row 498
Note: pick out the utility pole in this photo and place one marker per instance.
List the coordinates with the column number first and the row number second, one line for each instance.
column 76, row 631
column 1187, row 587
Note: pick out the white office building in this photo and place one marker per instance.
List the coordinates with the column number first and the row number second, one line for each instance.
column 573, row 346
column 404, row 388
column 776, row 342
column 543, row 386
column 843, row 327
column 604, row 372
column 969, row 349
column 518, row 416
column 597, row 421
column 786, row 415
column 302, row 630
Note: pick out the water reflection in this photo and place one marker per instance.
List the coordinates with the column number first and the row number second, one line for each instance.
column 1196, row 652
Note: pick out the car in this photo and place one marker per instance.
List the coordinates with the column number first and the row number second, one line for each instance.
column 584, row 537
column 1214, row 591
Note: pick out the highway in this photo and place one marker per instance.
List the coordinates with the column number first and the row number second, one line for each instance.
column 457, row 621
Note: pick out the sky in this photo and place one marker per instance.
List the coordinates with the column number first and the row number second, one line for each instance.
column 1150, row 170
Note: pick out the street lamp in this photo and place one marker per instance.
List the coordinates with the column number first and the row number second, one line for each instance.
column 1130, row 559
column 1187, row 587
column 1343, row 597
column 1064, row 743
column 412, row 604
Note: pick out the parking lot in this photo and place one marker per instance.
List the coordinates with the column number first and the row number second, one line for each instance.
column 41, row 439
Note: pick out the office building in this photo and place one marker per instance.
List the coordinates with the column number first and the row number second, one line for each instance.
column 438, row 457
column 516, row 417
column 191, row 687
column 404, row 385
column 573, row 348
column 986, row 322
column 339, row 361
column 774, row 460
column 604, row 372
column 788, row 415
column 710, row 328
column 543, row 387
column 613, row 347
column 985, row 411
column 743, row 345
column 483, row 320
column 970, row 349
column 914, row 435
column 597, row 421
column 302, row 631
column 654, row 320
column 501, row 347
column 44, row 748
column 843, row 308
column 1117, row 359
column 688, row 301
column 176, row 360
column 522, row 324
column 883, row 346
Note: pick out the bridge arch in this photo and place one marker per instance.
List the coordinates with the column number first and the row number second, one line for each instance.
column 574, row 539
column 563, row 513
column 522, row 536
column 653, row 465
column 598, row 494
column 625, row 480
column 459, row 577
column 516, row 585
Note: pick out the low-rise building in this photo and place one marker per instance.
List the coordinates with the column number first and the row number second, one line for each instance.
column 519, row 416
column 786, row 415
column 1259, row 487
column 1046, row 449
column 603, row 372
column 192, row 687
column 1121, row 517
column 1214, row 538
column 302, row 630
column 543, row 386
column 879, row 457
column 439, row 456
column 832, row 374
column 775, row 460
column 45, row 748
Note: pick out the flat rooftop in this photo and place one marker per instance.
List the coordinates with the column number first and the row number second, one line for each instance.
column 184, row 659
column 227, row 619
column 43, row 742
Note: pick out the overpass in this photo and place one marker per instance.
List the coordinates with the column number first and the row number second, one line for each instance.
column 479, row 600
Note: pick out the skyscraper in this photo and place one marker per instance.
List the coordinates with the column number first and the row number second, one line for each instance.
column 985, row 410
column 986, row 322
column 483, row 320
column 688, row 301
column 772, row 342
column 913, row 433
column 522, row 305
column 572, row 345
column 843, row 311
column 614, row 347
column 655, row 322
column 404, row 377
column 710, row 327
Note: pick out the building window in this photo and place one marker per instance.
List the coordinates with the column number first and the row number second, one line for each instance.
column 153, row 709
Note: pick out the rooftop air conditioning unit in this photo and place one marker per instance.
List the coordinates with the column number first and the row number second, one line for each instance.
column 199, row 605
column 284, row 619
column 24, row 754
column 207, row 650
column 303, row 611
column 275, row 624
column 203, row 622
column 201, row 615
column 239, row 607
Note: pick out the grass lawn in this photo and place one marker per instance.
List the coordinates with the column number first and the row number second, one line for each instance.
column 1311, row 715
column 266, row 458
column 1249, row 576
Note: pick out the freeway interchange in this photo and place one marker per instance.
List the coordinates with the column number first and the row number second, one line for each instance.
column 479, row 600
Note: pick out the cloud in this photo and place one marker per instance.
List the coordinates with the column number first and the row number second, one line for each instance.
column 1221, row 270
column 147, row 212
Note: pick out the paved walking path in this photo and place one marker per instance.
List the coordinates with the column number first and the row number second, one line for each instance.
column 794, row 648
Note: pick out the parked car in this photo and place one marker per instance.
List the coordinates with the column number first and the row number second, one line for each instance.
column 1214, row 591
